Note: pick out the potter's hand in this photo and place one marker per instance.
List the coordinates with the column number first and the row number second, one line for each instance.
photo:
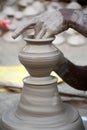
column 46, row 25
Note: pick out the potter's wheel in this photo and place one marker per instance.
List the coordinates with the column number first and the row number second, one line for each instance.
column 84, row 118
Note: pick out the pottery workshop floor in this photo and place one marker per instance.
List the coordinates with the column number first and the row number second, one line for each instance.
column 9, row 56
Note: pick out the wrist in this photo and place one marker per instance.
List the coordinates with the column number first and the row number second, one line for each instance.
column 67, row 13
column 76, row 15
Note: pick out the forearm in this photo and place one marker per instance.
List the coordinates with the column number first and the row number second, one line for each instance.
column 75, row 76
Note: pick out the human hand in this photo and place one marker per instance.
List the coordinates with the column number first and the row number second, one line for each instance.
column 45, row 25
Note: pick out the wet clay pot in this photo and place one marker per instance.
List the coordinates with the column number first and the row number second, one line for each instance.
column 40, row 106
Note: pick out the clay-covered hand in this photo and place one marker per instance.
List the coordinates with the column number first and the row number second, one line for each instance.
column 46, row 25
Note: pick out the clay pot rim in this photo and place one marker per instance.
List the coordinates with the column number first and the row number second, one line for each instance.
column 31, row 39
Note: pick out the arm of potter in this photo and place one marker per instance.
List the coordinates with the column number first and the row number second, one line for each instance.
column 49, row 24
column 74, row 75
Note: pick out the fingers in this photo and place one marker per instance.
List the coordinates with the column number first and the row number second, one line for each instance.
column 50, row 33
column 41, row 33
column 38, row 28
column 47, row 34
column 22, row 28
